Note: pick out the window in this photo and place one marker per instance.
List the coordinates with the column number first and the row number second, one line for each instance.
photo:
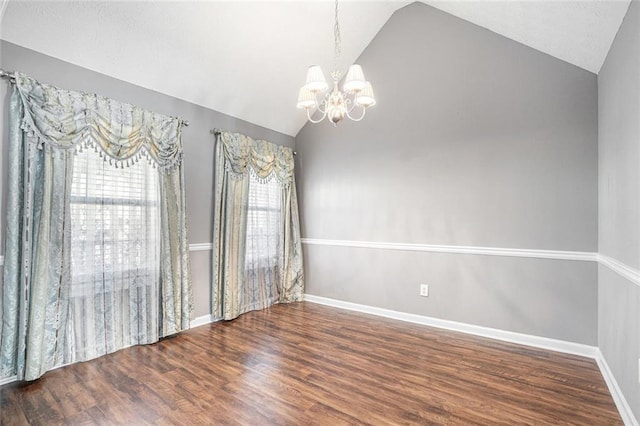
column 115, row 250
column 263, row 222
column 264, row 241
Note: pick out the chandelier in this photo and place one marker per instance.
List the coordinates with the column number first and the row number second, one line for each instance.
column 352, row 101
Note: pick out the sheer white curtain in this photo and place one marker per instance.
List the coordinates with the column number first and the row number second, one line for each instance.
column 115, row 255
column 264, row 243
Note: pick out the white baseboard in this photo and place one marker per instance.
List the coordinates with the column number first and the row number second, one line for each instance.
column 507, row 336
column 618, row 397
column 8, row 380
column 197, row 322
column 492, row 333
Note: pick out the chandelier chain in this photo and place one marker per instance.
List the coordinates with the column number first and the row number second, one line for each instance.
column 336, row 38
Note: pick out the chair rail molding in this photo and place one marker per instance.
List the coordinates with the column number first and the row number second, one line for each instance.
column 435, row 248
column 201, row 247
column 626, row 271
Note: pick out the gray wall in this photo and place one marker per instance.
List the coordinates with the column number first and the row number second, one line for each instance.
column 619, row 205
column 198, row 142
column 476, row 141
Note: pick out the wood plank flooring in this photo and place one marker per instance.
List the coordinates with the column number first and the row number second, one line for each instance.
column 309, row 364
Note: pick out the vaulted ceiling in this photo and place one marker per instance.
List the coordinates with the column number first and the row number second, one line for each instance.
column 248, row 58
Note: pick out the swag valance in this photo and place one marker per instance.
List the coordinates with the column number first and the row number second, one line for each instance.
column 67, row 119
column 245, row 154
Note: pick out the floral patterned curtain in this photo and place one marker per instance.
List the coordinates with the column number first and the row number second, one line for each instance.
column 257, row 257
column 48, row 127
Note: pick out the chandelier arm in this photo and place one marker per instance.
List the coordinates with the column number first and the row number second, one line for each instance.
column 350, row 103
column 364, row 111
column 320, row 104
column 324, row 114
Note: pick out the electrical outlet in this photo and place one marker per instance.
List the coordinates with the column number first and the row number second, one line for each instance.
column 638, row 370
column 424, row 290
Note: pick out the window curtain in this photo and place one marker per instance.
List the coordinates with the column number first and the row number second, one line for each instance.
column 257, row 256
column 49, row 129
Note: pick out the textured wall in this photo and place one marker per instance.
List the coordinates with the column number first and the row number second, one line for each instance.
column 476, row 141
column 619, row 205
column 198, row 142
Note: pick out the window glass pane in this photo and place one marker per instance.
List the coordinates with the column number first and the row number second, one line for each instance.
column 115, row 241
column 115, row 219
column 264, row 245
column 263, row 223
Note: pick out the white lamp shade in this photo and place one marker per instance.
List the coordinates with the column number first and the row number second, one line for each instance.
column 365, row 97
column 354, row 81
column 306, row 99
column 315, row 79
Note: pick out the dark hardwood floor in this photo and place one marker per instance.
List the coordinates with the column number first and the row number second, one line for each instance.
column 309, row 364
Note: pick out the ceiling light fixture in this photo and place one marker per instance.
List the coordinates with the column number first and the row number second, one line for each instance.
column 357, row 93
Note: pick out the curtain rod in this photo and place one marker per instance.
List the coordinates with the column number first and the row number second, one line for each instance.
column 12, row 77
column 7, row 74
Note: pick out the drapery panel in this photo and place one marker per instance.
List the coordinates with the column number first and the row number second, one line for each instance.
column 257, row 256
column 50, row 130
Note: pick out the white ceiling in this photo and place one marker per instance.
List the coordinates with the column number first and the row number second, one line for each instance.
column 248, row 58
column 577, row 31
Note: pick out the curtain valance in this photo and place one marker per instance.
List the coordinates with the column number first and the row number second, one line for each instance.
column 67, row 119
column 264, row 158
